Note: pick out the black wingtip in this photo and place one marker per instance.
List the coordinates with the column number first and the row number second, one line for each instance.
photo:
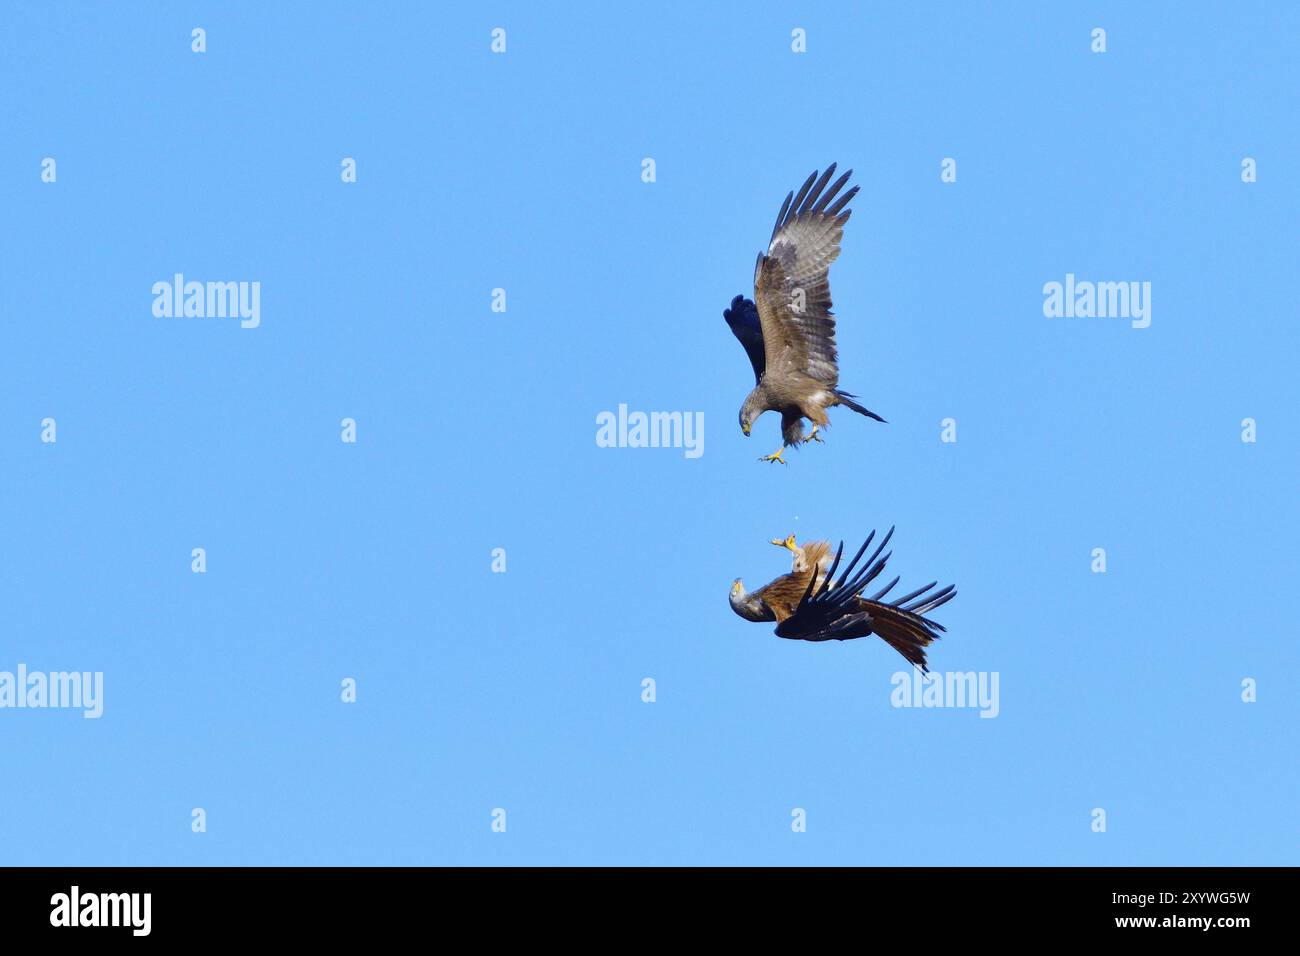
column 839, row 204
column 738, row 305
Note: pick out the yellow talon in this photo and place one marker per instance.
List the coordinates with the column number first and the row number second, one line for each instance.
column 813, row 436
column 800, row 561
column 775, row 456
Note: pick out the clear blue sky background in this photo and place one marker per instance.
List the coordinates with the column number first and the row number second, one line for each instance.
column 477, row 430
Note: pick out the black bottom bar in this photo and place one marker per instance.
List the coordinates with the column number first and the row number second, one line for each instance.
column 370, row 905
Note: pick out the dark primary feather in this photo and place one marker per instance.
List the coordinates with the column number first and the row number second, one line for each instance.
column 743, row 319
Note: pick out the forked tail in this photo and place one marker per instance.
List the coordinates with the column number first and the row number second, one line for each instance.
column 905, row 631
column 849, row 399
column 901, row 623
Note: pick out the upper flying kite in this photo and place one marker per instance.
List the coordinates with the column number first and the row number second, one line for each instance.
column 788, row 329
column 809, row 605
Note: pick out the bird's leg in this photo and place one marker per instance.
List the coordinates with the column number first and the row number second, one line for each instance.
column 800, row 561
column 813, row 436
column 775, row 456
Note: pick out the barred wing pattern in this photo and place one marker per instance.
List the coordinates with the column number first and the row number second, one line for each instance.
column 791, row 281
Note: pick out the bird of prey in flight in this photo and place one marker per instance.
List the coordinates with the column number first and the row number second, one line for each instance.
column 788, row 330
column 808, row 604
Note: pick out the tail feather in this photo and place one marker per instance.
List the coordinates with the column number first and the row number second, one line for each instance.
column 849, row 399
column 906, row 631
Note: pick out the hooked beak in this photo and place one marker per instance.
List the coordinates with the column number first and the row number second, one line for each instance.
column 745, row 429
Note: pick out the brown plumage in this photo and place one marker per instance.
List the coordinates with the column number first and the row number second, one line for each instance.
column 782, row 596
column 807, row 604
column 788, row 330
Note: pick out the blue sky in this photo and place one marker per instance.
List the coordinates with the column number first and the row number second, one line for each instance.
column 476, row 430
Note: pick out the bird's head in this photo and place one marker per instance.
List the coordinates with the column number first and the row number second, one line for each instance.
column 748, row 606
column 737, row 598
column 750, row 411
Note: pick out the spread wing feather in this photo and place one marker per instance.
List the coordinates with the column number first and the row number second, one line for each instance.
column 791, row 280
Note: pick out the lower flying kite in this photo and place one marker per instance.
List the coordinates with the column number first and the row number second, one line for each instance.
column 808, row 604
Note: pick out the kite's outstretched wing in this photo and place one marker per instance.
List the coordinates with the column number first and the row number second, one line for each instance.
column 792, row 284
column 743, row 319
column 836, row 610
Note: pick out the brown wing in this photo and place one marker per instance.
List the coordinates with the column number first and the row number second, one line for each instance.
column 784, row 594
column 792, row 280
